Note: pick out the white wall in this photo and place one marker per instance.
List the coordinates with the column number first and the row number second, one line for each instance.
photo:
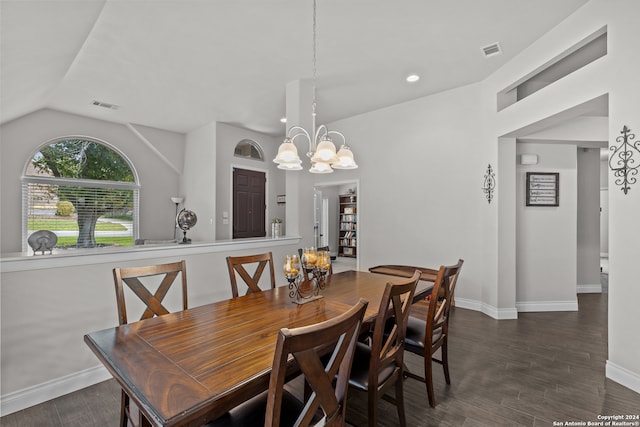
column 198, row 181
column 622, row 81
column 604, row 206
column 588, row 215
column 331, row 194
column 546, row 236
column 503, row 290
column 420, row 173
column 21, row 138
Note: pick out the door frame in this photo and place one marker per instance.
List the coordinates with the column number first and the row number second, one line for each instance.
column 266, row 196
column 356, row 181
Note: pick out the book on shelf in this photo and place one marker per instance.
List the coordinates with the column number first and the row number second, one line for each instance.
column 349, row 218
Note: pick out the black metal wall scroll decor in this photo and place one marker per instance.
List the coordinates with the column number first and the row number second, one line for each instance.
column 625, row 159
column 489, row 183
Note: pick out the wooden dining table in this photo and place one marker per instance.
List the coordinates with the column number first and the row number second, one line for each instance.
column 188, row 367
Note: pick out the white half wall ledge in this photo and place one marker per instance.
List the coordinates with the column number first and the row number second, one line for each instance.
column 623, row 376
column 140, row 252
column 535, row 306
column 34, row 395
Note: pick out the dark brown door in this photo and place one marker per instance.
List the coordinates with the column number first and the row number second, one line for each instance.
column 248, row 203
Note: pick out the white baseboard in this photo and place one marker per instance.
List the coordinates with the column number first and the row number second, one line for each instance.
column 623, row 376
column 489, row 310
column 469, row 304
column 34, row 395
column 590, row 289
column 533, row 306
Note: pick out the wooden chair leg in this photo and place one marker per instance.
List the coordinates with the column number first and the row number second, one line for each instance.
column 428, row 379
column 124, row 402
column 372, row 399
column 400, row 401
column 445, row 362
column 143, row 422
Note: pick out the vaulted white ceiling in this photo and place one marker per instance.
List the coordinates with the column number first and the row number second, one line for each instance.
column 180, row 64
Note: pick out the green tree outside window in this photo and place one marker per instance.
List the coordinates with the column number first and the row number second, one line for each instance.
column 87, row 160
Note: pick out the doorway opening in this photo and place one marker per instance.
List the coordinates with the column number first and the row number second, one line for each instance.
column 328, row 225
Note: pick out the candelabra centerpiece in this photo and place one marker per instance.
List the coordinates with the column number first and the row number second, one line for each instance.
column 307, row 277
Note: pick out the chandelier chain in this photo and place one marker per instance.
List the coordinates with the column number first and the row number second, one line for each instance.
column 314, row 64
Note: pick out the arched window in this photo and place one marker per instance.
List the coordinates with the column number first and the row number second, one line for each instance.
column 81, row 190
column 248, row 149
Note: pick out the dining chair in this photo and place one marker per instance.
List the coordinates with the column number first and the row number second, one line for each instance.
column 238, row 263
column 428, row 274
column 434, row 329
column 380, row 365
column 323, row 352
column 133, row 277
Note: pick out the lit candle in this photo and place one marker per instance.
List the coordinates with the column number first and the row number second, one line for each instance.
column 312, row 257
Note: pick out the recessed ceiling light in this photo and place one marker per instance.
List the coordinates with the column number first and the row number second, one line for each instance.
column 412, row 78
column 283, row 120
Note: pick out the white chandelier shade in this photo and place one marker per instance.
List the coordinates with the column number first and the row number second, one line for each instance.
column 325, row 151
column 320, row 167
column 287, row 157
column 345, row 159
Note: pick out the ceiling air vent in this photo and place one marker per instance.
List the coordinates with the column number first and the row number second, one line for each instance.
column 105, row 105
column 492, row 49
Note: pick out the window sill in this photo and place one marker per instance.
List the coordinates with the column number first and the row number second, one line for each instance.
column 21, row 262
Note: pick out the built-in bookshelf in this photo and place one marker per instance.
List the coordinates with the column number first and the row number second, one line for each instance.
column 348, row 239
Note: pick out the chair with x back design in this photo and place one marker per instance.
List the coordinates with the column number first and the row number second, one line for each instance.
column 238, row 263
column 324, row 354
column 132, row 276
column 379, row 366
column 428, row 337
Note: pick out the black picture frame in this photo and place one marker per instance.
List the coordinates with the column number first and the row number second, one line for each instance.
column 543, row 189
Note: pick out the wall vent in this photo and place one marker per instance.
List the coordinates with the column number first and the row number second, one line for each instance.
column 105, row 105
column 492, row 49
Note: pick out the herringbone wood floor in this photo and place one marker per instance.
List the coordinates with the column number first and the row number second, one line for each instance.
column 541, row 368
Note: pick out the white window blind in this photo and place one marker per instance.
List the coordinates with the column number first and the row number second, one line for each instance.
column 108, row 211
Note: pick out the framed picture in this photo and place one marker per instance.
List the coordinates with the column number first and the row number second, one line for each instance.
column 543, row 189
column 281, row 199
column 348, row 210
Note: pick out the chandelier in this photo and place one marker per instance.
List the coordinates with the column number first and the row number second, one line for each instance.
column 322, row 150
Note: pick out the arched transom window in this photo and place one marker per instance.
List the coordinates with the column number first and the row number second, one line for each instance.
column 249, row 149
column 81, row 190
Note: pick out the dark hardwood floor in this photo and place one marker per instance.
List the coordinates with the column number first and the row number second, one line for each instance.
column 541, row 368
